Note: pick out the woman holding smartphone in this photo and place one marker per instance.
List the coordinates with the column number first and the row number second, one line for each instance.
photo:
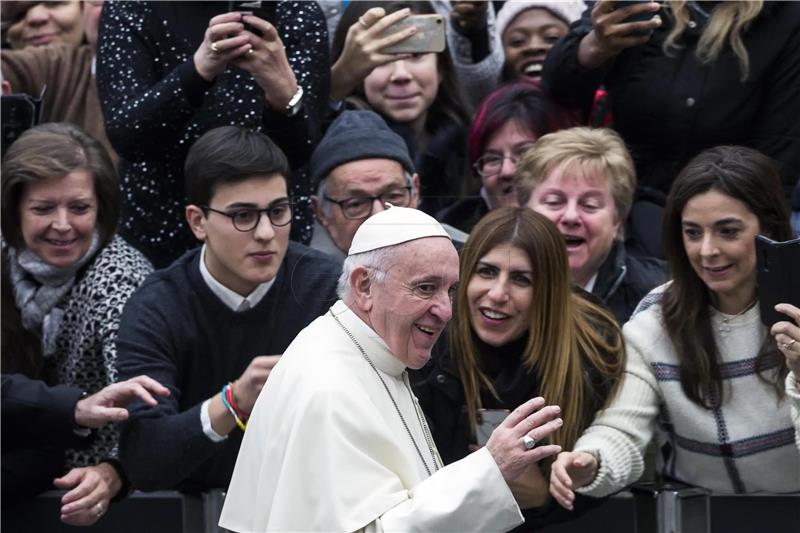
column 167, row 72
column 520, row 330
column 703, row 373
column 683, row 77
column 416, row 94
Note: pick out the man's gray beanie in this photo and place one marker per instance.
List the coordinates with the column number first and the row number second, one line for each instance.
column 353, row 136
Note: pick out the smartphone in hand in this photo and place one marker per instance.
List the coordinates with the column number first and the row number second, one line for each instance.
column 640, row 17
column 430, row 36
column 487, row 420
column 778, row 265
column 262, row 9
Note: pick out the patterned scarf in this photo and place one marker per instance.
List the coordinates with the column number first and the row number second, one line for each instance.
column 39, row 287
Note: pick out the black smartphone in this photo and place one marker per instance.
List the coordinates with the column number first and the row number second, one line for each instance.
column 262, row 9
column 20, row 112
column 778, row 265
column 641, row 17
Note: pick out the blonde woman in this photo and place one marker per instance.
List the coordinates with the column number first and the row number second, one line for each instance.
column 686, row 77
column 519, row 330
column 583, row 180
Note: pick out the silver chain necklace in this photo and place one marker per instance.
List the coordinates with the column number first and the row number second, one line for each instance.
column 428, row 439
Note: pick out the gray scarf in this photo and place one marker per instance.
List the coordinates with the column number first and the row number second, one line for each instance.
column 39, row 287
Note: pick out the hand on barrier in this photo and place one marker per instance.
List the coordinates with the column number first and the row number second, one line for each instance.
column 91, row 491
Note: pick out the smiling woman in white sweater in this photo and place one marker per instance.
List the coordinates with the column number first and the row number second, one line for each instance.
column 703, row 374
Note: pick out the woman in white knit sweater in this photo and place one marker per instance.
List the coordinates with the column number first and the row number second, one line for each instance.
column 703, row 373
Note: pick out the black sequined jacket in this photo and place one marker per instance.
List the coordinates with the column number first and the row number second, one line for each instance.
column 156, row 105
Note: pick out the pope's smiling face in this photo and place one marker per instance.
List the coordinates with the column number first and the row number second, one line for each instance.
column 411, row 305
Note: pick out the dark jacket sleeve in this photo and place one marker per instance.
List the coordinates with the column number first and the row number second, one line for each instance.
column 145, row 110
column 35, row 413
column 564, row 78
column 310, row 60
column 159, row 446
column 777, row 132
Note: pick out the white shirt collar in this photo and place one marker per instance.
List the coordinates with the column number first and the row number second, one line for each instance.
column 590, row 284
column 230, row 298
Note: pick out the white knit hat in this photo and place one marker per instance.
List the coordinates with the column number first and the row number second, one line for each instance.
column 568, row 10
column 394, row 226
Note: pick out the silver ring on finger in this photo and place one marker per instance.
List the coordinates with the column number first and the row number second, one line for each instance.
column 788, row 345
column 215, row 48
column 361, row 21
column 99, row 510
column 528, row 442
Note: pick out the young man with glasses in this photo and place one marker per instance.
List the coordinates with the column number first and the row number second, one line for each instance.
column 212, row 326
column 359, row 166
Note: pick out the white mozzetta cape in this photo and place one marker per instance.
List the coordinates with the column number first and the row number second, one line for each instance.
column 325, row 449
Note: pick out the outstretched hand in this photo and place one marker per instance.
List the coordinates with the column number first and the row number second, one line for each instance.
column 109, row 404
column 571, row 470
column 506, row 444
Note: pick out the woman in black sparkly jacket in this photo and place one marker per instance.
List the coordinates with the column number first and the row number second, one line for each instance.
column 169, row 71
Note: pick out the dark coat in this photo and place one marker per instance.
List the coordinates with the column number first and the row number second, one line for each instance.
column 177, row 331
column 465, row 213
column 623, row 280
column 441, row 395
column 38, row 423
column 669, row 109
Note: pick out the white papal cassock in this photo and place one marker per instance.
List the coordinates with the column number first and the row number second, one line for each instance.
column 325, row 449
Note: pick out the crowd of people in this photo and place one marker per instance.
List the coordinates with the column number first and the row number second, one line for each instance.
column 478, row 288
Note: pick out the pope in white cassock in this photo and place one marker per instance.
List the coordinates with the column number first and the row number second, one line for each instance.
column 337, row 441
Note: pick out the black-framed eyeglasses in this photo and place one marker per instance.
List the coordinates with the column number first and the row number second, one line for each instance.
column 491, row 164
column 248, row 218
column 361, row 206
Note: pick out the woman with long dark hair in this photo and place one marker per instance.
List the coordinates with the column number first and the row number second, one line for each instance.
column 519, row 330
column 703, row 372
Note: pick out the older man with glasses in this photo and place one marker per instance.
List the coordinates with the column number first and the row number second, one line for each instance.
column 212, row 326
column 359, row 167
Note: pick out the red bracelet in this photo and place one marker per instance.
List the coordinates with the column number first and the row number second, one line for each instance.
column 231, row 397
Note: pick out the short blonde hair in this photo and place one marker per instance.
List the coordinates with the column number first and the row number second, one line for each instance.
column 600, row 149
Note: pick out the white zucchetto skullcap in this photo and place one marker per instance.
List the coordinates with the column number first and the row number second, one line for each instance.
column 394, row 226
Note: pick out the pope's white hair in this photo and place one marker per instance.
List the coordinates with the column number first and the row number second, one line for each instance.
column 378, row 262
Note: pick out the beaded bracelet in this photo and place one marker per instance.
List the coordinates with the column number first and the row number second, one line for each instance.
column 229, row 407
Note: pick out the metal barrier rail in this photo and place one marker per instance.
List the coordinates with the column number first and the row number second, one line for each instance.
column 646, row 508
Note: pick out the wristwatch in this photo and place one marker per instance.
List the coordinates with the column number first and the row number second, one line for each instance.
column 293, row 107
